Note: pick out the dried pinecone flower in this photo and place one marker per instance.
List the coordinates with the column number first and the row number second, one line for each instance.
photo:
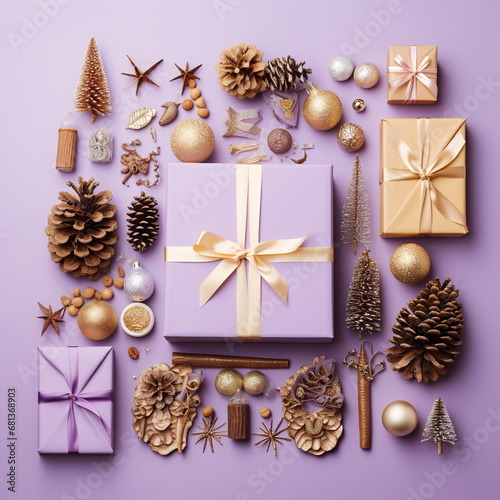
column 283, row 73
column 427, row 336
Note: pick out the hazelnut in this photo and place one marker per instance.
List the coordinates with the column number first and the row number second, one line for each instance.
column 207, row 411
column 97, row 295
column 72, row 310
column 191, row 83
column 88, row 292
column 118, row 282
column 187, row 104
column 107, row 294
column 107, row 280
column 195, row 93
column 121, row 272
column 65, row 301
column 78, row 301
column 76, row 292
column 200, row 102
column 203, row 112
column 265, row 412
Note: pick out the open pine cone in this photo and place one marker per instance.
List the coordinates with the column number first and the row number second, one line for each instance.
column 82, row 230
column 283, row 73
column 241, row 71
column 427, row 336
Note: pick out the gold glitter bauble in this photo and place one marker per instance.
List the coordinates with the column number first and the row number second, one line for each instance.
column 399, row 418
column 366, row 75
column 322, row 108
column 137, row 319
column 228, row 381
column 358, row 105
column 192, row 141
column 97, row 320
column 350, row 137
column 254, row 382
column 410, row 263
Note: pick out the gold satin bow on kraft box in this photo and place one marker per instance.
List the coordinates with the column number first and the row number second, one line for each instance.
column 422, row 177
column 412, row 74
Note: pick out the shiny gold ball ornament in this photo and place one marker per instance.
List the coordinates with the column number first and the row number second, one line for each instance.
column 322, row 108
column 192, row 140
column 410, row 263
column 399, row 418
column 97, row 320
column 254, row 382
column 228, row 382
column 366, row 75
column 358, row 105
column 350, row 137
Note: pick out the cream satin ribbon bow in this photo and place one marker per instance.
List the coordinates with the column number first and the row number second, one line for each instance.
column 212, row 247
column 411, row 74
column 424, row 170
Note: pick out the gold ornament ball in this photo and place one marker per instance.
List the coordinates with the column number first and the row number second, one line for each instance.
column 228, row 382
column 322, row 108
column 97, row 320
column 358, row 105
column 254, row 382
column 399, row 418
column 192, row 141
column 366, row 75
column 410, row 263
column 350, row 137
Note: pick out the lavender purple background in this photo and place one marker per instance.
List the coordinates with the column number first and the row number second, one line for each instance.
column 40, row 75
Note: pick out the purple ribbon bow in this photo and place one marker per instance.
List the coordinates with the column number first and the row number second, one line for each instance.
column 75, row 397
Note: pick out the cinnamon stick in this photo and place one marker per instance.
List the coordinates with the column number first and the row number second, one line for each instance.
column 364, row 406
column 221, row 361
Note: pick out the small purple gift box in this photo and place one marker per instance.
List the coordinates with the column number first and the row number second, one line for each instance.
column 249, row 253
column 75, row 400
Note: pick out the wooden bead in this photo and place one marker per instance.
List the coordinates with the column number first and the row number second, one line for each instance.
column 207, row 411
column 203, row 112
column 238, row 421
column 265, row 412
column 187, row 104
column 66, row 149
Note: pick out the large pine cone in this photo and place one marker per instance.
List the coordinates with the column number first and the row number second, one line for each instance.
column 142, row 222
column 283, row 73
column 241, row 71
column 427, row 336
column 82, row 230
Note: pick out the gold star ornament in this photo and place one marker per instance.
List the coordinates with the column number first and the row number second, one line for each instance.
column 141, row 76
column 209, row 432
column 271, row 436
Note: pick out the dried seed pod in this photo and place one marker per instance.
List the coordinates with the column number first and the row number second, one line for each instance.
column 97, row 295
column 191, row 83
column 121, row 272
column 169, row 114
column 107, row 280
column 118, row 283
column 195, row 93
column 187, row 104
column 265, row 412
column 107, row 294
column 77, row 301
column 200, row 102
column 76, row 292
column 72, row 310
column 88, row 292
column 207, row 411
column 203, row 112
column 65, row 301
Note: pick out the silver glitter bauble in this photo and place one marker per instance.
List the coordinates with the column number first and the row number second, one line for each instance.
column 138, row 284
column 341, row 68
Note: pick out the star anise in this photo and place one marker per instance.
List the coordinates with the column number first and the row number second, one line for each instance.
column 186, row 75
column 209, row 432
column 51, row 318
column 271, row 436
column 141, row 76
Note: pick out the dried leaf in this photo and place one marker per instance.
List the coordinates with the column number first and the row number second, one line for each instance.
column 140, row 118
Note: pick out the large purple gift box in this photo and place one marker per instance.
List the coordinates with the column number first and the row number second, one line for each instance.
column 75, row 400
column 296, row 202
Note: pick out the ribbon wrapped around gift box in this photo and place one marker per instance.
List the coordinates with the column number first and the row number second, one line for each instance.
column 412, row 74
column 422, row 177
column 249, row 253
column 75, row 400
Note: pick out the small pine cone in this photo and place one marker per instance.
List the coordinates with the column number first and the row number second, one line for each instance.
column 142, row 222
column 283, row 73
column 427, row 336
column 241, row 71
column 82, row 231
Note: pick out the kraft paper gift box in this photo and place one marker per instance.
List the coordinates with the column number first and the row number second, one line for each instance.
column 412, row 74
column 422, row 177
column 75, row 400
column 205, row 203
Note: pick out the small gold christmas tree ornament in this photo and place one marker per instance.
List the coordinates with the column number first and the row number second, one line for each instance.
column 439, row 426
column 92, row 92
column 366, row 373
